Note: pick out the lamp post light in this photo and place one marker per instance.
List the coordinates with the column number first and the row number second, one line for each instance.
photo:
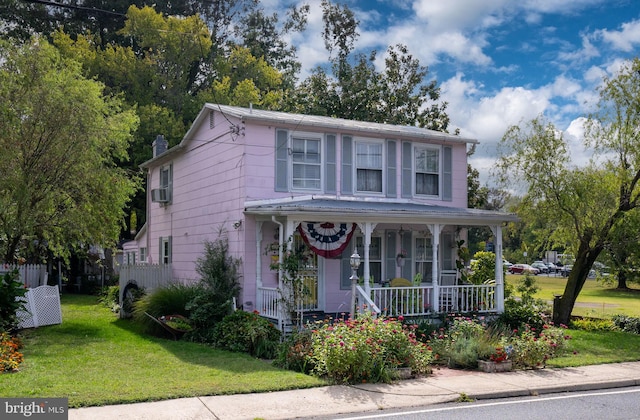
column 355, row 264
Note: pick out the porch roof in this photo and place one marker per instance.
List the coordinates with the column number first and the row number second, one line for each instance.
column 354, row 210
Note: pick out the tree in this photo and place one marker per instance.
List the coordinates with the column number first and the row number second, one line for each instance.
column 356, row 90
column 623, row 249
column 61, row 138
column 581, row 206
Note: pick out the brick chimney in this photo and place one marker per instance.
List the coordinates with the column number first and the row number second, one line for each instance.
column 159, row 145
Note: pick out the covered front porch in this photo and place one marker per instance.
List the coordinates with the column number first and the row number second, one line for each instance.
column 408, row 252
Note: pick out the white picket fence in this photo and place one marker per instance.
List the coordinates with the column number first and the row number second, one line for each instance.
column 42, row 307
column 144, row 276
column 31, row 275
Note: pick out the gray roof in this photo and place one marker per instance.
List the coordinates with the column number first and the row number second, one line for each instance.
column 337, row 210
column 303, row 120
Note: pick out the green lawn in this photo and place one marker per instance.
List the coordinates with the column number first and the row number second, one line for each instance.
column 595, row 300
column 93, row 358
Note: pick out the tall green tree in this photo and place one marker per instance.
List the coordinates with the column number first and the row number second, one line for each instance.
column 581, row 205
column 355, row 89
column 61, row 139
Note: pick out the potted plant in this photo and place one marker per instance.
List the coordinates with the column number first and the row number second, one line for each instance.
column 400, row 258
column 498, row 360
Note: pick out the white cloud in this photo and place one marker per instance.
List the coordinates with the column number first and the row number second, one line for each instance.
column 625, row 39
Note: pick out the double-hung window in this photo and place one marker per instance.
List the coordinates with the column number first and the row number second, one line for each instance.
column 369, row 167
column 166, row 181
column 427, row 171
column 306, row 158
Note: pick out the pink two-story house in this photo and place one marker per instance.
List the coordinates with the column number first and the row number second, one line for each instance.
column 334, row 187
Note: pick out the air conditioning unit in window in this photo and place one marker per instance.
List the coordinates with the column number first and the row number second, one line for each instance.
column 160, row 195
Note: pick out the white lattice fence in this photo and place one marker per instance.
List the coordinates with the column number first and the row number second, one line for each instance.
column 42, row 307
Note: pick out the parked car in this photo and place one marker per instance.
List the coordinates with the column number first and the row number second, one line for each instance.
column 542, row 267
column 523, row 268
column 506, row 264
column 552, row 267
column 566, row 270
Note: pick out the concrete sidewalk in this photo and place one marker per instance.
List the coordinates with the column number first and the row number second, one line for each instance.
column 444, row 385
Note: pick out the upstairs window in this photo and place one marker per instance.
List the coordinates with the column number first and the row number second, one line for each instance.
column 307, row 163
column 427, row 171
column 369, row 167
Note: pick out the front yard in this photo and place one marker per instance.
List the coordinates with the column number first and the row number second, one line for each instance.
column 94, row 358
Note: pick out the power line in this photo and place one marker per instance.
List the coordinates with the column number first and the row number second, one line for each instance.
column 71, row 6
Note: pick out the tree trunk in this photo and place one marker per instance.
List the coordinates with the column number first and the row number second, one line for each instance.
column 579, row 272
column 622, row 279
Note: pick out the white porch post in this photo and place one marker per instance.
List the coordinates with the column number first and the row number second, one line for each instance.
column 497, row 234
column 435, row 269
column 367, row 230
column 258, row 295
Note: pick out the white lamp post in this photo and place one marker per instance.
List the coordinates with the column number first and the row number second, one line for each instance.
column 355, row 264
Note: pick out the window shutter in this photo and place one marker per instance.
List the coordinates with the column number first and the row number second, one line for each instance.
column 390, row 266
column 447, row 180
column 160, row 259
column 170, row 256
column 407, row 171
column 347, row 165
column 345, row 266
column 391, row 169
column 330, row 166
column 282, row 154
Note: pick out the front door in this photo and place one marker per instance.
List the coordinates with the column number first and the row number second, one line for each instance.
column 309, row 273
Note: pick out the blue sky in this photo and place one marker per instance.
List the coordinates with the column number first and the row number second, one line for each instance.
column 497, row 62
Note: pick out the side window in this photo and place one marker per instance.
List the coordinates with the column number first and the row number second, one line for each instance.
column 427, row 171
column 369, row 164
column 306, row 160
column 143, row 254
column 165, row 250
column 166, row 182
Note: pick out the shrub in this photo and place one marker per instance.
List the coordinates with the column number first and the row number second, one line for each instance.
column 627, row 323
column 168, row 300
column 518, row 313
column 483, row 267
column 593, row 324
column 249, row 333
column 10, row 357
column 462, row 343
column 295, row 352
column 218, row 287
column 366, row 349
column 11, row 290
column 533, row 348
column 110, row 297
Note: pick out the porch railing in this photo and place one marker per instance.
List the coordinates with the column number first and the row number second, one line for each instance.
column 407, row 301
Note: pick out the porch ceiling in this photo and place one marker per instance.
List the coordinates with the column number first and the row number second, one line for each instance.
column 353, row 210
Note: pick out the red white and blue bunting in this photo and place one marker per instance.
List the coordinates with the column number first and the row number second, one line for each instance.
column 327, row 239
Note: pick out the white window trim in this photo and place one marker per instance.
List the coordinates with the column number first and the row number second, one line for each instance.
column 320, row 137
column 415, row 171
column 169, row 186
column 357, row 140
